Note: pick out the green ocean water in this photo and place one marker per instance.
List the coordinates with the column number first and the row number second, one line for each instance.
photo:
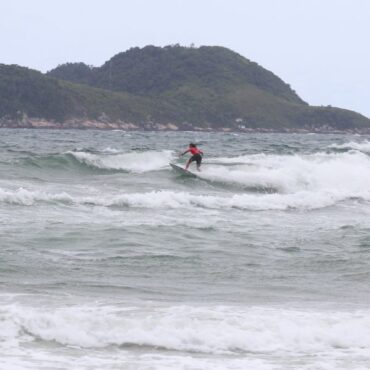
column 112, row 260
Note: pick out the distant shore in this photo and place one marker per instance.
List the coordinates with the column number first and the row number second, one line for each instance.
column 85, row 124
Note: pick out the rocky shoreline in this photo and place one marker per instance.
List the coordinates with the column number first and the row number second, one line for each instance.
column 86, row 124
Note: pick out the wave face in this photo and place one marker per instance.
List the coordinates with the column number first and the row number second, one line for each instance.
column 249, row 182
column 87, row 161
column 132, row 162
column 110, row 259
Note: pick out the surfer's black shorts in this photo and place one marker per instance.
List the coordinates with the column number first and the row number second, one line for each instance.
column 196, row 158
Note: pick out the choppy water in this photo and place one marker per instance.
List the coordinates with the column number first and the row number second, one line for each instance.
column 110, row 260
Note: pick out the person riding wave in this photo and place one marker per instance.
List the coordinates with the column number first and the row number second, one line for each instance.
column 196, row 156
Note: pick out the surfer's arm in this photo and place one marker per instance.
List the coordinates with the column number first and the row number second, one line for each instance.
column 186, row 151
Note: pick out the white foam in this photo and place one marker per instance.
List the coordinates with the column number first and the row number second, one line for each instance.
column 176, row 200
column 28, row 197
column 344, row 172
column 360, row 146
column 134, row 162
column 111, row 150
column 182, row 337
column 170, row 199
column 211, row 330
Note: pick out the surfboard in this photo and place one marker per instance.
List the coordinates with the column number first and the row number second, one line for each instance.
column 182, row 171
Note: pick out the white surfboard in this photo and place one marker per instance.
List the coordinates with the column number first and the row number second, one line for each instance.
column 182, row 171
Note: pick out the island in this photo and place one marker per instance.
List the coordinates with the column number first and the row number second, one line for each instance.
column 208, row 88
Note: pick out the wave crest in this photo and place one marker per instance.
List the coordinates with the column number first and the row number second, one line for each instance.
column 185, row 328
column 138, row 162
column 353, row 145
column 172, row 200
column 347, row 173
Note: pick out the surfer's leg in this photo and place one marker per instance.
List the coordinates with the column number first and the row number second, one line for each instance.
column 191, row 159
column 199, row 161
column 188, row 164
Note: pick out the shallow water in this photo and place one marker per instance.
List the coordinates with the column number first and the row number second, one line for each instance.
column 111, row 260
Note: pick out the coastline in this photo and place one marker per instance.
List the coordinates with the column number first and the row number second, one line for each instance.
column 87, row 124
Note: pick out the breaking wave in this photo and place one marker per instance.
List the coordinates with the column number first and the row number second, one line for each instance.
column 353, row 145
column 263, row 182
column 210, row 330
column 132, row 162
column 345, row 173
column 170, row 199
column 108, row 160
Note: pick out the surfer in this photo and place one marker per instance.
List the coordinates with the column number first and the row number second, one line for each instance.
column 196, row 156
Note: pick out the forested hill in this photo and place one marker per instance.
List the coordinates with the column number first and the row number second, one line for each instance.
column 158, row 88
column 154, row 70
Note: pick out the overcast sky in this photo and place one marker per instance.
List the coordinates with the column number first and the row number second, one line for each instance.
column 320, row 47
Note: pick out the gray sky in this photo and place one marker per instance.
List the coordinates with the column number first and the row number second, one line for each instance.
column 320, row 47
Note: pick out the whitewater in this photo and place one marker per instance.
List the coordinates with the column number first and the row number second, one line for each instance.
column 112, row 260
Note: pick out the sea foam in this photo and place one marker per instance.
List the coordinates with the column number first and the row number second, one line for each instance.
column 211, row 330
column 363, row 146
column 176, row 200
column 288, row 174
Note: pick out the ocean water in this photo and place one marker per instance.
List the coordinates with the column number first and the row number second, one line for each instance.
column 111, row 260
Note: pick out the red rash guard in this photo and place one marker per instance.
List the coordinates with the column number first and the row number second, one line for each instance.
column 195, row 151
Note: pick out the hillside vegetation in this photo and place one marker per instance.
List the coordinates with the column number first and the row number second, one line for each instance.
column 25, row 91
column 206, row 87
column 153, row 70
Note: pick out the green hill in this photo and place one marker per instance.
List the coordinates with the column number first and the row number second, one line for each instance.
column 156, row 71
column 208, row 87
column 25, row 91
